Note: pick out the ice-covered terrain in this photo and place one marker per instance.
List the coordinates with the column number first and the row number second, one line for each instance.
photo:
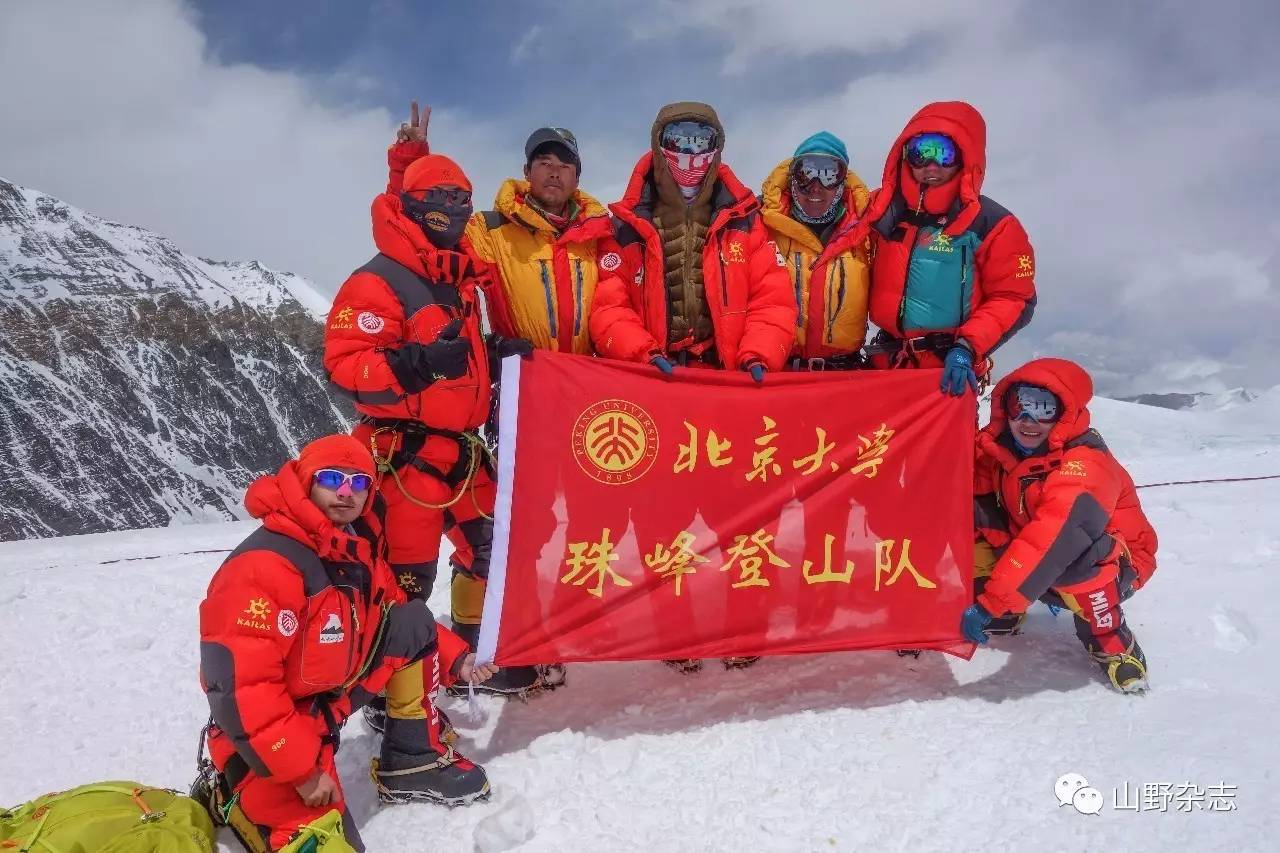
column 141, row 386
column 858, row 751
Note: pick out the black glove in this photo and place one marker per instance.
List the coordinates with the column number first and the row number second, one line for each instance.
column 500, row 348
column 416, row 365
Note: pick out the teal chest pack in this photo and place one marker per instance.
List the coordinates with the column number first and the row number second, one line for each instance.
column 939, row 281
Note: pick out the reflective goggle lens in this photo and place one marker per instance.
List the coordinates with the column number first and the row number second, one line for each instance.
column 1031, row 401
column 446, row 197
column 689, row 137
column 925, row 148
column 827, row 171
column 330, row 479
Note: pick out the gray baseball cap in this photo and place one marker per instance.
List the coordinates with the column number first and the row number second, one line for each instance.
column 557, row 135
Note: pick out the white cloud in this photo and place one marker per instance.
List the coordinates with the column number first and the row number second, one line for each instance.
column 1153, row 267
column 118, row 107
column 528, row 46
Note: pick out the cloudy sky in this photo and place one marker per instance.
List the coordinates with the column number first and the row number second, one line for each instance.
column 1138, row 142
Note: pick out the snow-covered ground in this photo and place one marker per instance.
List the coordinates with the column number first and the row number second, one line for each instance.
column 834, row 752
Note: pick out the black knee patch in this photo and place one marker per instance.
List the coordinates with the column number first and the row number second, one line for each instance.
column 410, row 632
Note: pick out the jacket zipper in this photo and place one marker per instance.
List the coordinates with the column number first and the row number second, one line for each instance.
column 577, row 308
column 551, row 303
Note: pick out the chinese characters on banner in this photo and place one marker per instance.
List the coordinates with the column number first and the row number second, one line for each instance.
column 647, row 518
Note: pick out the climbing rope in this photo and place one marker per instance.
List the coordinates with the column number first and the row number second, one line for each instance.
column 1218, row 480
column 475, row 447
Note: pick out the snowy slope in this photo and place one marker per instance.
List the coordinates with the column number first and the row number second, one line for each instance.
column 124, row 365
column 859, row 751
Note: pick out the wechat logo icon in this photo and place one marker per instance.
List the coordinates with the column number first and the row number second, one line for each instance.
column 1072, row 789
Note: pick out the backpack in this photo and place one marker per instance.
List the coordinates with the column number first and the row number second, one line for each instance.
column 108, row 817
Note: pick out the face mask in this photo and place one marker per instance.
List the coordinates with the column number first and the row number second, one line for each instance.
column 689, row 170
column 441, row 214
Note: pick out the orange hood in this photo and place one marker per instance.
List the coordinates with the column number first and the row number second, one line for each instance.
column 1064, row 378
column 281, row 501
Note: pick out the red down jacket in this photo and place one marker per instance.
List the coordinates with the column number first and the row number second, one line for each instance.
column 293, row 613
column 1050, row 511
column 748, row 292
column 407, row 293
column 1002, row 296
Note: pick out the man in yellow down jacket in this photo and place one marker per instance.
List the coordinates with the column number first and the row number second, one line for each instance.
column 547, row 240
column 807, row 200
column 547, row 243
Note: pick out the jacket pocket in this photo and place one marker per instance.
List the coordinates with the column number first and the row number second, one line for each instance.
column 331, row 641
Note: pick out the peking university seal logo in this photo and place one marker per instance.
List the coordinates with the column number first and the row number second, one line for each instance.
column 615, row 442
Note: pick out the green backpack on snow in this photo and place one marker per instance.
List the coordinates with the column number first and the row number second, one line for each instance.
column 108, row 817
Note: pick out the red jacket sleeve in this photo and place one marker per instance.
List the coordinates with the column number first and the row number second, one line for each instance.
column 1006, row 268
column 769, row 332
column 242, row 665
column 616, row 327
column 1069, row 521
column 354, row 358
column 399, row 156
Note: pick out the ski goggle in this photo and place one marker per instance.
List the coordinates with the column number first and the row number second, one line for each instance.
column 826, row 170
column 925, row 148
column 328, row 478
column 1034, row 403
column 443, row 196
column 689, row 137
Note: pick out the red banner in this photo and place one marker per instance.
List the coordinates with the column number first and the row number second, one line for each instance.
column 701, row 515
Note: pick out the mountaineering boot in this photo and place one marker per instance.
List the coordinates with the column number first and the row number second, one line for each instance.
column 1127, row 671
column 435, row 777
column 375, row 716
column 517, row 682
column 417, row 765
column 739, row 662
column 685, row 667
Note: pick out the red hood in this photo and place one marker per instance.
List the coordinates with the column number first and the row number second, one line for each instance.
column 963, row 123
column 399, row 238
column 1066, row 379
column 745, row 200
column 282, row 503
column 966, row 126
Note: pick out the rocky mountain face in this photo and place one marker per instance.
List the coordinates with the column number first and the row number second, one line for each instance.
column 140, row 386
column 1198, row 400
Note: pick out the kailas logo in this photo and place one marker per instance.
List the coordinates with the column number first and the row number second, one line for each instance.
column 1026, row 268
column 777, row 253
column 370, row 323
column 332, row 631
column 615, row 442
column 342, row 319
column 736, row 255
column 941, row 243
column 257, row 612
column 1101, row 609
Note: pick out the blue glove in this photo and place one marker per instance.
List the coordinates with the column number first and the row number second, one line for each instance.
column 957, row 371
column 662, row 364
column 1053, row 608
column 756, row 369
column 974, row 622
